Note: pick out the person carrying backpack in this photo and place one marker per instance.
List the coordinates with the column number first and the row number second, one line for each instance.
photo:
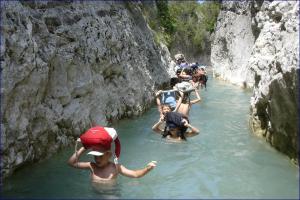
column 176, row 127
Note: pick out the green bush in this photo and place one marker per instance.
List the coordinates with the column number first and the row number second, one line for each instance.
column 185, row 24
column 194, row 22
column 164, row 17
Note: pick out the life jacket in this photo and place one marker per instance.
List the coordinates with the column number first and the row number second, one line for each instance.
column 100, row 138
column 175, row 120
column 169, row 98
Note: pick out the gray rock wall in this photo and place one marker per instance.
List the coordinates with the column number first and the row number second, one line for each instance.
column 275, row 62
column 268, row 62
column 233, row 42
column 67, row 66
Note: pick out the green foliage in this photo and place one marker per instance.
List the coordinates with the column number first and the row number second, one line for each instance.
column 193, row 22
column 164, row 17
column 209, row 11
column 185, row 24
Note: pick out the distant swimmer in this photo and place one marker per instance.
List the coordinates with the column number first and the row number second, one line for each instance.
column 99, row 140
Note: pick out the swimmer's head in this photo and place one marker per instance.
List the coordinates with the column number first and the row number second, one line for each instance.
column 166, row 108
column 101, row 154
column 103, row 159
column 174, row 131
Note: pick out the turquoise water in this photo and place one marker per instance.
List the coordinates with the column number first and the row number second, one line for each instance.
column 223, row 161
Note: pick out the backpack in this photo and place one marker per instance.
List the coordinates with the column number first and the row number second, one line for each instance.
column 184, row 87
column 173, row 120
column 169, row 97
column 184, row 65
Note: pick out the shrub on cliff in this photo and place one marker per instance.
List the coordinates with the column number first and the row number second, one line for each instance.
column 193, row 22
column 182, row 24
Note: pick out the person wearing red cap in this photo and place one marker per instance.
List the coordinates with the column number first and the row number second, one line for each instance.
column 99, row 140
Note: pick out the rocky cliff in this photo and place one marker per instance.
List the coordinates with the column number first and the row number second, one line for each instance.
column 68, row 65
column 233, row 42
column 256, row 45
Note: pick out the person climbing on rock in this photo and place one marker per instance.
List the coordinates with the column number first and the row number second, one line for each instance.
column 99, row 140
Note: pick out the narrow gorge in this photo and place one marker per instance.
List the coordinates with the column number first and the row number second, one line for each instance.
column 66, row 66
column 256, row 45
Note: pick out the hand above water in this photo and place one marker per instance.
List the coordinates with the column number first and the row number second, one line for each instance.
column 151, row 165
column 158, row 93
column 161, row 118
column 185, row 123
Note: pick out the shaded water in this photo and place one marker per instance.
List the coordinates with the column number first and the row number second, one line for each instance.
column 223, row 161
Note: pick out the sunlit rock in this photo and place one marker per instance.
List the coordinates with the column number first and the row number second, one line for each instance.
column 69, row 65
column 269, row 62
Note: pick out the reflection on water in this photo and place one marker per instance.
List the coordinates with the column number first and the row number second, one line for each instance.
column 224, row 161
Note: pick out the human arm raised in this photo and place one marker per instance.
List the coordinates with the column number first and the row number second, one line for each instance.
column 136, row 173
column 178, row 103
column 198, row 99
column 74, row 160
column 156, row 128
column 194, row 131
column 158, row 103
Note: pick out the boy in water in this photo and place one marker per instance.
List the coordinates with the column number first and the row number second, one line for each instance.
column 103, row 170
column 186, row 104
column 169, row 99
column 171, row 130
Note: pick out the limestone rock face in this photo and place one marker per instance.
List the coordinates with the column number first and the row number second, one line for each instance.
column 269, row 64
column 275, row 63
column 233, row 42
column 69, row 65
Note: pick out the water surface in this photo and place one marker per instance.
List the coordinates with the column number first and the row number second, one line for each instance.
column 223, row 161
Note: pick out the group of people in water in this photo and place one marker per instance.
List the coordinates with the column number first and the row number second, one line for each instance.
column 173, row 106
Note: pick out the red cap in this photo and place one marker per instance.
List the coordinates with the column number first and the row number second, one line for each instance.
column 99, row 138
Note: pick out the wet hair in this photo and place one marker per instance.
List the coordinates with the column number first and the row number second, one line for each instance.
column 180, row 133
column 166, row 132
column 178, row 71
column 174, row 81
